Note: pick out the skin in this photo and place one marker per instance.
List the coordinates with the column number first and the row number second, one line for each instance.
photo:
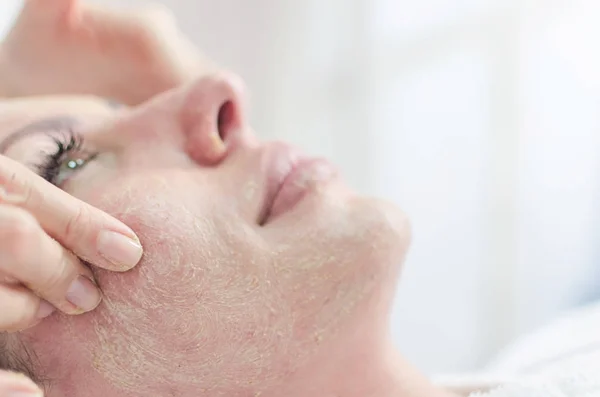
column 68, row 47
column 72, row 47
column 219, row 305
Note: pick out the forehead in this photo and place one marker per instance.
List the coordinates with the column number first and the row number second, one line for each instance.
column 16, row 113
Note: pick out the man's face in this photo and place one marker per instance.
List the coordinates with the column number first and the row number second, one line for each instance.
column 260, row 266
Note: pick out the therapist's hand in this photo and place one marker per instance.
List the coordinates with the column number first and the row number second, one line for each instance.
column 12, row 384
column 43, row 234
column 72, row 47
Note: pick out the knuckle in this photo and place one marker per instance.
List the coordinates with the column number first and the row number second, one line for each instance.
column 25, row 190
column 14, row 185
column 78, row 223
column 19, row 229
column 52, row 284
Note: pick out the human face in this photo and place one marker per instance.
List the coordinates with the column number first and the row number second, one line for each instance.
column 261, row 269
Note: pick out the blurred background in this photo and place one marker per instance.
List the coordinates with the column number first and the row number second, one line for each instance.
column 479, row 117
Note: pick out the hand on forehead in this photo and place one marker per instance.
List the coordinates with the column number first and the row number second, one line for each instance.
column 72, row 47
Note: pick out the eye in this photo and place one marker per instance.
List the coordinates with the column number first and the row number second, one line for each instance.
column 68, row 158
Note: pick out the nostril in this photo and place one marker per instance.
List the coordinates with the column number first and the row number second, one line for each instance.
column 226, row 119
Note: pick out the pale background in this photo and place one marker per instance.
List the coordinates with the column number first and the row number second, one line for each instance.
column 479, row 117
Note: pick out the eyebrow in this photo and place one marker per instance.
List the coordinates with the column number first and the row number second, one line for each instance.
column 39, row 126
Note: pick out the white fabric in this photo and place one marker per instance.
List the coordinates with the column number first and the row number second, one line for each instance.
column 573, row 337
column 580, row 384
column 580, row 380
column 561, row 360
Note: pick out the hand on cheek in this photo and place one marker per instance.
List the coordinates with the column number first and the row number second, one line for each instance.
column 35, row 213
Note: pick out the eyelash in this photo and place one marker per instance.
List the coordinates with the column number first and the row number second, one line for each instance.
column 66, row 144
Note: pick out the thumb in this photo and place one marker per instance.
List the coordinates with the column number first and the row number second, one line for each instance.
column 14, row 384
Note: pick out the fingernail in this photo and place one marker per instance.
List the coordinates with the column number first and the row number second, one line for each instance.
column 44, row 310
column 17, row 385
column 84, row 294
column 120, row 250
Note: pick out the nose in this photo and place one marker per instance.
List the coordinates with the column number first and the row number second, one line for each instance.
column 212, row 118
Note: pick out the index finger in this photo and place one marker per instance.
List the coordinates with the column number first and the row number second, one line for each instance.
column 90, row 233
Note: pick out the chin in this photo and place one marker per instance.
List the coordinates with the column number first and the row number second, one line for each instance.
column 377, row 230
column 380, row 247
column 391, row 222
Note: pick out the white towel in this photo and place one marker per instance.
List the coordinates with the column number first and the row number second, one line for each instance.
column 574, row 382
column 562, row 360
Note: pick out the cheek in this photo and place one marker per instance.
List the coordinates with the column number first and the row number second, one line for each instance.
column 198, row 310
column 212, row 306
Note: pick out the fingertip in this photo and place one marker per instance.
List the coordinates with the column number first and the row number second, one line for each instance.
column 84, row 295
column 123, row 252
column 45, row 309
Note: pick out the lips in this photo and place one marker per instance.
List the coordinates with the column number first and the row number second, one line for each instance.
column 289, row 177
column 280, row 160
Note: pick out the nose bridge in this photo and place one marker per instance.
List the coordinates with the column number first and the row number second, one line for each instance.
column 153, row 122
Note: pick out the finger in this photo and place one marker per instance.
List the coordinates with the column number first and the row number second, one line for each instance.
column 14, row 384
column 6, row 279
column 51, row 8
column 21, row 308
column 41, row 264
column 90, row 233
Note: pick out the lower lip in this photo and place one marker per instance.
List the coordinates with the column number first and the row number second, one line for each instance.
column 305, row 177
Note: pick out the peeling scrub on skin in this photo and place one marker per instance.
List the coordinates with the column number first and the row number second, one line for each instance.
column 215, row 307
column 143, row 357
column 250, row 189
column 248, row 358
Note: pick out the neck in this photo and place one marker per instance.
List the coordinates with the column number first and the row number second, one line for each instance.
column 364, row 374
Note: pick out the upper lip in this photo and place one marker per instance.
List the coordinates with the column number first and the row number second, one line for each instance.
column 279, row 161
